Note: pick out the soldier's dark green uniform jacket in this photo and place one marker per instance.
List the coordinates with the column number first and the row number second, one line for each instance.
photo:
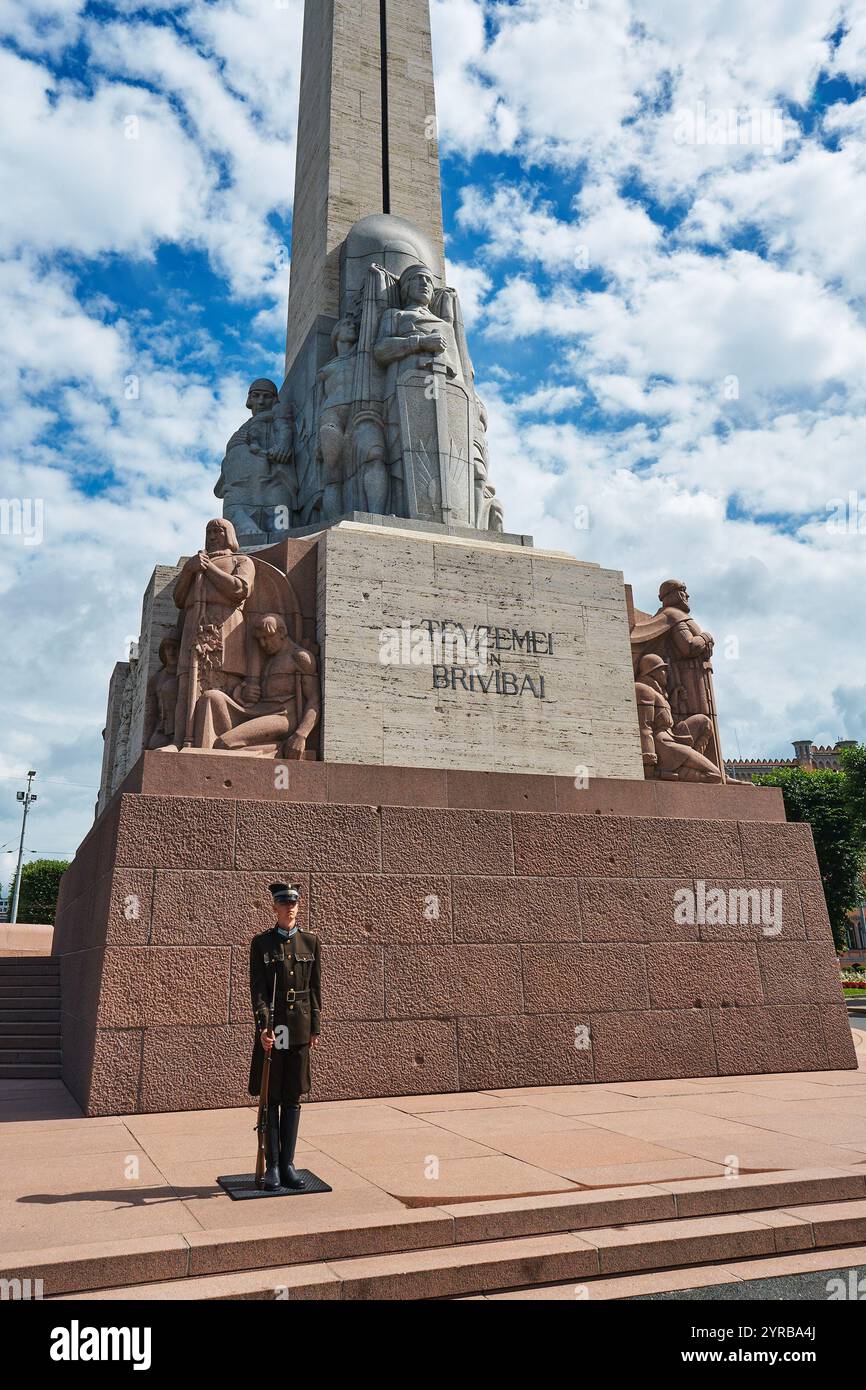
column 298, row 1006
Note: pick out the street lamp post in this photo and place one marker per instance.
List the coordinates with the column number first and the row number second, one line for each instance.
column 26, row 798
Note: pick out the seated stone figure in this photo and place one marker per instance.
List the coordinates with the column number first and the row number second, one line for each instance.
column 272, row 713
column 672, row 752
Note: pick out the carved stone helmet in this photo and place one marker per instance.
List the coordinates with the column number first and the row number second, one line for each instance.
column 262, row 383
column 650, row 664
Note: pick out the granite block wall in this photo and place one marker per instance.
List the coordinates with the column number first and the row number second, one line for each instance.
column 463, row 948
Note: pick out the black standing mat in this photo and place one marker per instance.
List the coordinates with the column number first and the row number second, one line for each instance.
column 242, row 1186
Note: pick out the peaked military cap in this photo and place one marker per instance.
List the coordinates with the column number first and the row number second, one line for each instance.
column 285, row 892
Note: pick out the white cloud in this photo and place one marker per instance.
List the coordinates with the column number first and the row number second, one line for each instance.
column 850, row 57
column 701, row 319
column 111, row 172
column 517, row 225
column 473, row 285
column 471, row 115
column 809, row 209
column 250, row 140
column 42, row 26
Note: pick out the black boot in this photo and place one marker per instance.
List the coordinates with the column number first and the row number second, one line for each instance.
column 271, row 1181
column 290, row 1118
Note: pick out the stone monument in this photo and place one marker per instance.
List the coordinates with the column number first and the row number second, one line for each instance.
column 496, row 780
column 685, row 655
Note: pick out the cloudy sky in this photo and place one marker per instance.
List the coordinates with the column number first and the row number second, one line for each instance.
column 655, row 215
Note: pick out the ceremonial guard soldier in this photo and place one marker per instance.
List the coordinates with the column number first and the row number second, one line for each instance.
column 284, row 967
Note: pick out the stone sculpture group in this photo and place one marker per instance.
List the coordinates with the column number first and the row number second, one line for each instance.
column 392, row 425
column 674, row 690
column 238, row 676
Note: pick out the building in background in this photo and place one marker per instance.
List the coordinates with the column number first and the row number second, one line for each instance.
column 807, row 755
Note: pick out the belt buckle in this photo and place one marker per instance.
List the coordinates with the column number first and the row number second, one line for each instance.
column 290, row 998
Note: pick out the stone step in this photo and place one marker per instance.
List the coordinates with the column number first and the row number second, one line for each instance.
column 20, row 1071
column 40, row 1011
column 30, row 969
column 29, row 1028
column 455, row 1269
column 28, row 1056
column 24, row 961
column 29, row 989
column 30, row 965
column 498, row 1265
column 35, row 1042
column 80, row 1268
column 804, row 1275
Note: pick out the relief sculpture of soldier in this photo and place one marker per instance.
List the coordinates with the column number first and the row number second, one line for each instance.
column 673, row 751
column 289, row 957
column 488, row 508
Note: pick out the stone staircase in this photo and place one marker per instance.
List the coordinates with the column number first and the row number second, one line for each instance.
column 593, row 1244
column 29, row 1018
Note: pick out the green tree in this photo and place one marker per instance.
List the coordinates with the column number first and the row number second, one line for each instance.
column 40, row 885
column 853, row 761
column 834, row 804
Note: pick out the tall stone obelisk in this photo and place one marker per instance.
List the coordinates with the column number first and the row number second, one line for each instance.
column 379, row 392
column 366, row 141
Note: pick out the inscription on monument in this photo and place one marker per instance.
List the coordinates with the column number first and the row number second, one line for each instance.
column 494, row 683
column 468, row 658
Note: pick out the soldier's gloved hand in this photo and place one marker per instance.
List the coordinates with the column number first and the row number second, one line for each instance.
column 268, row 1039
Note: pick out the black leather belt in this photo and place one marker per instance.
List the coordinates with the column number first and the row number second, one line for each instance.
column 293, row 994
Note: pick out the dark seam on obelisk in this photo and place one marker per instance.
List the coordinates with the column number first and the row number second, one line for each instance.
column 386, row 159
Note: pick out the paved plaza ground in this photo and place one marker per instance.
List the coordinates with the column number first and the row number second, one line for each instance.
column 136, row 1196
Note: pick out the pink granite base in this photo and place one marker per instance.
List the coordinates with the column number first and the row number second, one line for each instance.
column 479, row 930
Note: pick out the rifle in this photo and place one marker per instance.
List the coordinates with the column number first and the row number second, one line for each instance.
column 262, row 1119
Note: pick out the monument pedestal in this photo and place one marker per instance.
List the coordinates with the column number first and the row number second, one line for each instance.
column 444, row 651
column 479, row 930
